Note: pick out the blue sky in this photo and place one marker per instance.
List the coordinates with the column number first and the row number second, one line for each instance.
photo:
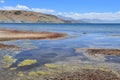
column 69, row 8
column 81, row 6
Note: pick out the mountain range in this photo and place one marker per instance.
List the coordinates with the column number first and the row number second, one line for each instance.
column 21, row 16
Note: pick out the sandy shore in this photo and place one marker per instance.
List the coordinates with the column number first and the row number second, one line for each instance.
column 7, row 34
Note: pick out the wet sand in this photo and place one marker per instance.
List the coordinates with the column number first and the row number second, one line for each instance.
column 7, row 34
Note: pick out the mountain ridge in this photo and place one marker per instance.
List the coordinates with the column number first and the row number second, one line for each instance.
column 21, row 16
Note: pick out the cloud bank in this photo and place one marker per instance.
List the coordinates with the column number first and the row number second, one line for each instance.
column 93, row 15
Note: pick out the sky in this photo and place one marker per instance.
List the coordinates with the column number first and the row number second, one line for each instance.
column 77, row 9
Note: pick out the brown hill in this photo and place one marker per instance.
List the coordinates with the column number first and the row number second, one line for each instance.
column 19, row 16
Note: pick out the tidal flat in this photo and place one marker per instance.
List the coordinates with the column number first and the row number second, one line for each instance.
column 69, row 52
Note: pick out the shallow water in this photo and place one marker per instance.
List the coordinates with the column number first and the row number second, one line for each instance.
column 79, row 36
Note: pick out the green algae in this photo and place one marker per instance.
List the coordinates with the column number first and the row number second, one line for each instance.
column 7, row 61
column 53, row 66
column 27, row 62
column 33, row 74
column 20, row 74
column 8, row 58
column 43, row 73
column 14, row 68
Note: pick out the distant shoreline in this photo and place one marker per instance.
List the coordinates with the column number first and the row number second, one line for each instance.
column 60, row 23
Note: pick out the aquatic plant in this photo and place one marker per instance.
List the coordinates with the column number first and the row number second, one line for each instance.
column 33, row 74
column 20, row 74
column 53, row 66
column 14, row 68
column 6, row 66
column 8, row 58
column 43, row 73
column 27, row 62
column 86, row 74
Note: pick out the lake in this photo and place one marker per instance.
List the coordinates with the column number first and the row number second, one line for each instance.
column 63, row 50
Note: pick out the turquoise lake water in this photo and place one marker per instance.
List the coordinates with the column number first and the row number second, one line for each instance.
column 79, row 36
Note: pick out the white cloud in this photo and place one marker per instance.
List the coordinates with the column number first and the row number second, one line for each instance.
column 2, row 1
column 22, row 7
column 42, row 10
column 93, row 15
column 18, row 7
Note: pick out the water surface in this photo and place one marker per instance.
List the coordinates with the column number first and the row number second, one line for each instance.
column 79, row 36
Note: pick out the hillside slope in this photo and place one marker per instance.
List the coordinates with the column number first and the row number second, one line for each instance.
column 19, row 16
